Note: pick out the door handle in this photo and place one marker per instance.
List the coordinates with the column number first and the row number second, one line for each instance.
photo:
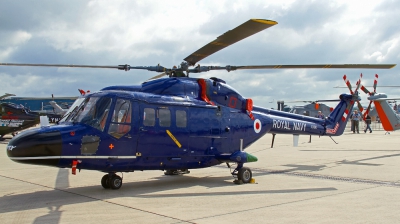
column 142, row 129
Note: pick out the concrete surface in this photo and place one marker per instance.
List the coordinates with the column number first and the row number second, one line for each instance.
column 354, row 181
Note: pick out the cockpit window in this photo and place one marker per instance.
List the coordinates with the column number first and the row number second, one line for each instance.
column 121, row 119
column 93, row 111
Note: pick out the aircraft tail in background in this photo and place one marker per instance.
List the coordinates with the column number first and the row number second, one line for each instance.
column 389, row 118
column 57, row 108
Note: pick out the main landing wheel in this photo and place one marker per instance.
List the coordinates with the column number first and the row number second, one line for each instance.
column 112, row 181
column 115, row 182
column 245, row 175
column 105, row 181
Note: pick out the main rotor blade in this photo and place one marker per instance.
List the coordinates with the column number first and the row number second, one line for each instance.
column 198, row 69
column 121, row 67
column 229, row 68
column 126, row 67
column 232, row 36
column 367, row 66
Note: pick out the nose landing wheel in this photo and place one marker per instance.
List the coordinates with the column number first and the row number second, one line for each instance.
column 112, row 181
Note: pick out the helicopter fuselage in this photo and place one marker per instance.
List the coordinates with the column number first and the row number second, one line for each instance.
column 164, row 124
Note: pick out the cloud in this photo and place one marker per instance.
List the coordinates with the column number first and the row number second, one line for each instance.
column 145, row 33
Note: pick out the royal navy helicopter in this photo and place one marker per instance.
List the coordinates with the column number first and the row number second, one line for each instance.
column 171, row 124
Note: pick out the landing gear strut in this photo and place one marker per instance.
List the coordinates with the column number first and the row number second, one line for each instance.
column 112, row 181
column 242, row 174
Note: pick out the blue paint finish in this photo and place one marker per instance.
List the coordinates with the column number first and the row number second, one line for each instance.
column 212, row 133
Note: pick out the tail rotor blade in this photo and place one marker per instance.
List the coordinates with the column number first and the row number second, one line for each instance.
column 367, row 111
column 348, row 84
column 358, row 83
column 365, row 90
column 375, row 82
column 360, row 108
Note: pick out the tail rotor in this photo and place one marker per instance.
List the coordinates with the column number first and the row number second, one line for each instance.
column 354, row 93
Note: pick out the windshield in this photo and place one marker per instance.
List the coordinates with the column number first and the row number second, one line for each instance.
column 74, row 106
column 92, row 111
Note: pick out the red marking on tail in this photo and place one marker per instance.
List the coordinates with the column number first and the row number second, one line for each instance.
column 382, row 115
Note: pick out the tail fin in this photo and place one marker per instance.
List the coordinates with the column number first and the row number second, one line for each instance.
column 389, row 119
column 337, row 119
column 57, row 108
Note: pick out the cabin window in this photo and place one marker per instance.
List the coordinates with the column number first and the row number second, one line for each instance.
column 164, row 117
column 121, row 119
column 181, row 119
column 149, row 117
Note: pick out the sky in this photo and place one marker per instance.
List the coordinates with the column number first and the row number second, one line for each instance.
column 151, row 32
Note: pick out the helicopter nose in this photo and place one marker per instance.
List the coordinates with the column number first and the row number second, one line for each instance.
column 36, row 147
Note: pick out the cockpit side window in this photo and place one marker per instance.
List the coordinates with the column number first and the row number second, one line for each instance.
column 121, row 119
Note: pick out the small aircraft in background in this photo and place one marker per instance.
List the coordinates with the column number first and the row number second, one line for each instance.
column 6, row 95
column 15, row 118
column 57, row 108
column 171, row 124
column 310, row 109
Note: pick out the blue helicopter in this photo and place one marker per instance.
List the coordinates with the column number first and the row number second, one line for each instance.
column 172, row 124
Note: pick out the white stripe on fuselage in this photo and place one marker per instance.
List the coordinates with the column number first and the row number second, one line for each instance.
column 73, row 157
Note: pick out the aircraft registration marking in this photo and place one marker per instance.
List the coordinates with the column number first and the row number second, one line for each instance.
column 282, row 124
column 11, row 122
